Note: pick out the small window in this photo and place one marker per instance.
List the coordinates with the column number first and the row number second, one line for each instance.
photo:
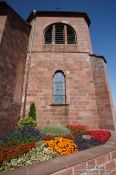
column 59, row 96
column 60, row 33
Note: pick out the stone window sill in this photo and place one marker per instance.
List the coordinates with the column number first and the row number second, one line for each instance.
column 65, row 104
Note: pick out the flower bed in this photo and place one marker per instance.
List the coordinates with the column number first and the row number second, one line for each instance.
column 8, row 153
column 18, row 147
column 33, row 156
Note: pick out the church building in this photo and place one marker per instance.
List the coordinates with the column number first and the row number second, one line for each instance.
column 48, row 60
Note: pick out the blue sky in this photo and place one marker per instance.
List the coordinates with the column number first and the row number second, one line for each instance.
column 103, row 25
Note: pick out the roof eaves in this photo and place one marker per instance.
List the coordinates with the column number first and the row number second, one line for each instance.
column 4, row 4
column 99, row 56
column 59, row 13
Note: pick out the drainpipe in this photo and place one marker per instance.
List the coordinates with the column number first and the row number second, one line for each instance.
column 28, row 65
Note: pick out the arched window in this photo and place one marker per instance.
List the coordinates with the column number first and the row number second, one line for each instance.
column 59, row 96
column 60, row 33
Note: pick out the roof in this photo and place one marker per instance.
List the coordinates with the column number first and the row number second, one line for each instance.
column 50, row 13
column 3, row 11
column 3, row 3
column 59, row 13
column 99, row 56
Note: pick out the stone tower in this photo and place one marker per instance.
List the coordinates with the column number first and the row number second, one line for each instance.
column 65, row 80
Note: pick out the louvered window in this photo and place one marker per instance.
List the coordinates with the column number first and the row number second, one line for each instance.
column 48, row 36
column 60, row 34
column 59, row 96
column 70, row 36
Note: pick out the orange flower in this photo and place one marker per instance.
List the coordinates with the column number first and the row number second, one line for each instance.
column 62, row 146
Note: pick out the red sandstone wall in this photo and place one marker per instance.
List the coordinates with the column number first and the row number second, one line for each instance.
column 80, row 91
column 80, row 26
column 88, row 97
column 13, row 51
column 2, row 20
column 45, row 60
column 103, row 93
column 102, row 165
column 2, row 24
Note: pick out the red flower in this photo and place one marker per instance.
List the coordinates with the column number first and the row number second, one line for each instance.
column 15, row 151
column 77, row 126
column 75, row 132
column 101, row 135
column 48, row 137
column 67, row 137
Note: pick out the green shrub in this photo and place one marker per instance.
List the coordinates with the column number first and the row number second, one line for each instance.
column 55, row 130
column 32, row 112
column 26, row 122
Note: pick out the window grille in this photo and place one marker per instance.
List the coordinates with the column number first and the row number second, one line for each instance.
column 60, row 34
column 59, row 96
column 70, row 36
column 48, row 36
